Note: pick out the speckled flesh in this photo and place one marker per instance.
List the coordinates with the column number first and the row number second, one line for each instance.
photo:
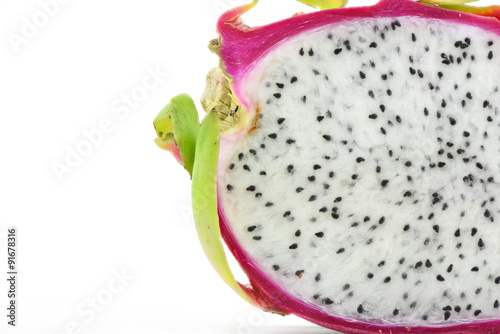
column 361, row 192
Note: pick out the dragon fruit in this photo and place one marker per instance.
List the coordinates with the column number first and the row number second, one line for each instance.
column 350, row 159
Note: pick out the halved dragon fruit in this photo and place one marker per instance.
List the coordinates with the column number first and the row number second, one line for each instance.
column 350, row 159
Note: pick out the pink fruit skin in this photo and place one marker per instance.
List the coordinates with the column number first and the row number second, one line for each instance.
column 241, row 47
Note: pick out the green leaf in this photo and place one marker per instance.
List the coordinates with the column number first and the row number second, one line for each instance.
column 325, row 4
column 177, row 128
column 204, row 194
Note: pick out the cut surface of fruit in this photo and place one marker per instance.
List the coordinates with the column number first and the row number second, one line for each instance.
column 365, row 184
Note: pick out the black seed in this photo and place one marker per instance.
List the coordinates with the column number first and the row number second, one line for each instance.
column 293, row 80
column 440, row 278
column 383, row 131
column 447, row 315
column 276, row 267
column 323, row 209
column 360, row 309
column 480, row 243
column 479, row 165
column 304, row 98
column 246, row 167
column 378, row 169
column 290, row 141
column 341, row 250
column 413, row 304
column 293, row 246
column 337, row 51
column 229, row 187
column 477, row 312
column 311, row 52
column 338, row 199
column 269, row 204
column 299, row 189
column 346, row 287
column 320, row 118
column 387, row 279
column 497, row 280
column 381, row 264
column 251, row 228
column 486, row 104
column 298, row 233
column 374, row 45
column 257, row 238
column 281, row 120
column 277, row 95
column 441, row 164
column 272, row 136
column 428, row 263
column 286, row 214
column 381, row 220
column 327, row 137
column 490, row 55
column 319, row 234
column 301, row 51
column 362, row 75
column 491, row 179
column 496, row 304
column 418, row 264
column 457, row 309
column 384, row 183
column 354, row 176
column 312, row 198
column 412, row 71
column 382, row 107
column 299, row 273
column 407, row 194
column 371, row 94
column 311, row 178
column 251, row 188
column 474, row 269
column 384, row 76
column 317, row 278
column 231, row 166
column 466, row 134
column 327, row 301
column 335, row 216
column 406, row 227
column 473, row 231
column 452, row 121
column 372, row 116
column 289, row 168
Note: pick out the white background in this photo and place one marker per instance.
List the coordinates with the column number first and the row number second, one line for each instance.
column 124, row 208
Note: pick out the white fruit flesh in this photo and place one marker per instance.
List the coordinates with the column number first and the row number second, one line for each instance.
column 370, row 187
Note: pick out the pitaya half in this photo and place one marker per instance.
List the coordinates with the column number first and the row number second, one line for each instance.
column 350, row 159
